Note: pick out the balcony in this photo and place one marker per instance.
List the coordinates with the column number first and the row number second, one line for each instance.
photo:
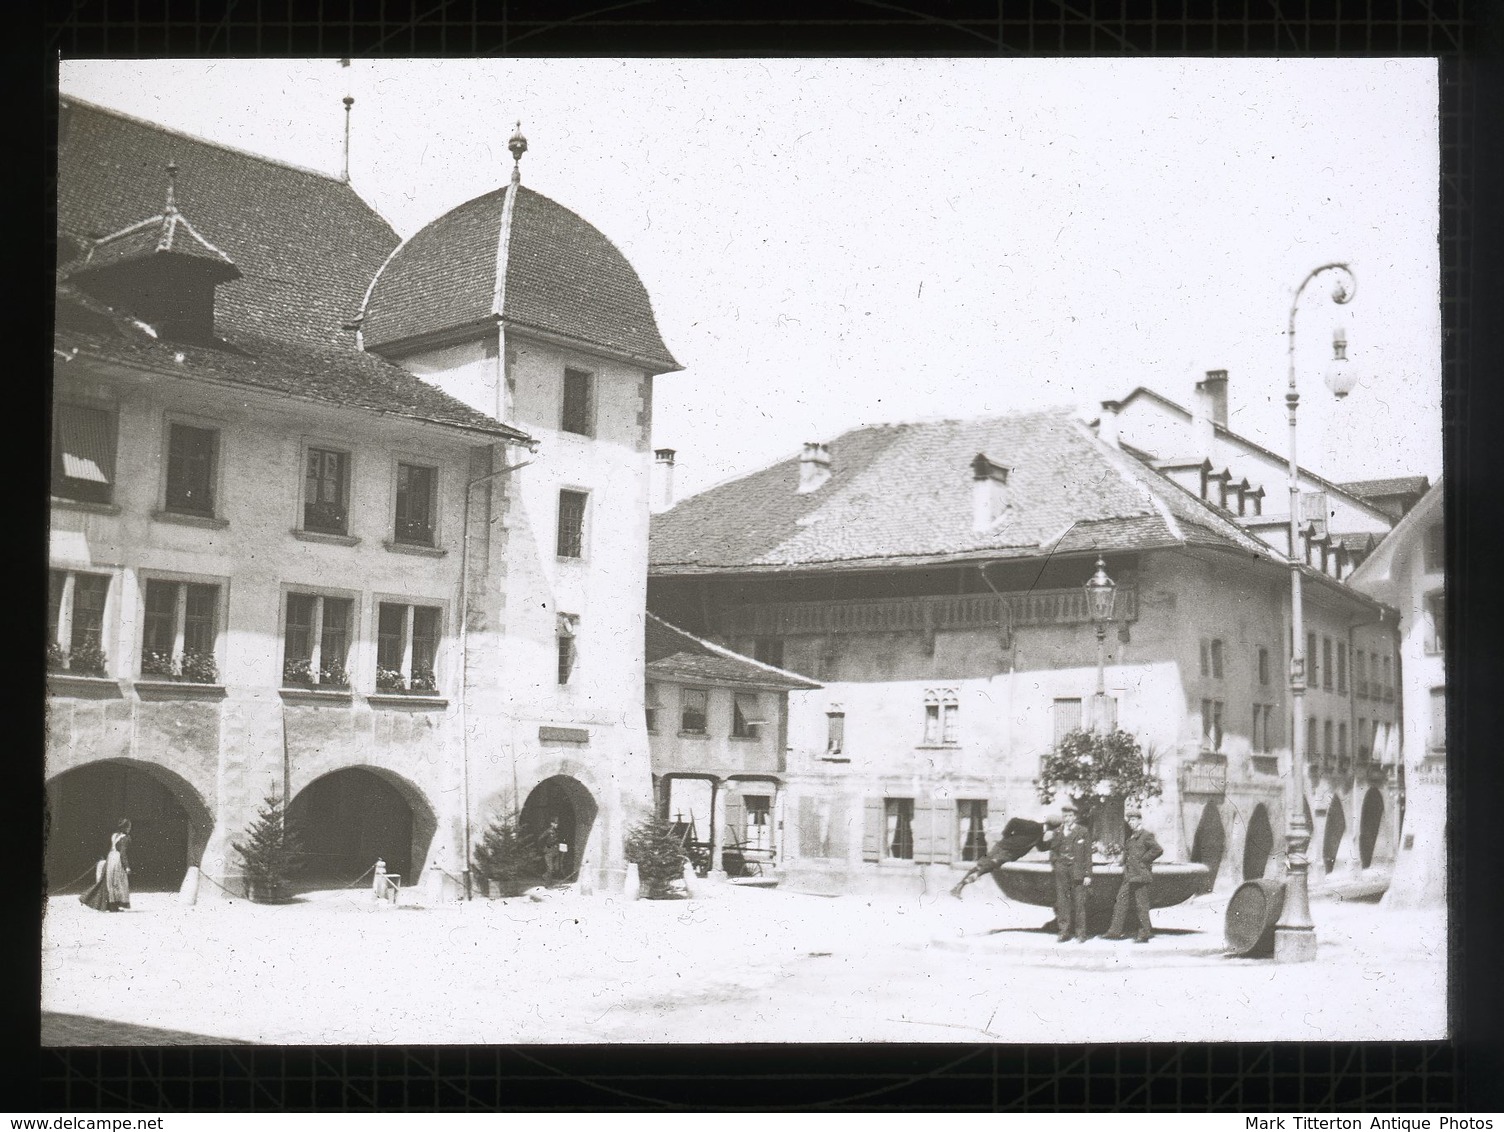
column 922, row 614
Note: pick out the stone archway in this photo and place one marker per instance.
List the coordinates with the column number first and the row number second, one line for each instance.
column 1209, row 844
column 1258, row 844
column 1370, row 823
column 350, row 817
column 563, row 804
column 170, row 824
column 1331, row 838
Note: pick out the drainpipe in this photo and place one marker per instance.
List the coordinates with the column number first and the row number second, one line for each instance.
column 465, row 658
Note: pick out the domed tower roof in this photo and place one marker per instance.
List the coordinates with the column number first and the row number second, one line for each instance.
column 514, row 255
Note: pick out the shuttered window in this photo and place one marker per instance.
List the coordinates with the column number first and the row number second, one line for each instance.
column 83, row 454
column 1067, row 717
column 908, row 829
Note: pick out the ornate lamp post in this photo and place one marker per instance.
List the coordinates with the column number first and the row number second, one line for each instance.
column 1295, row 934
column 1101, row 596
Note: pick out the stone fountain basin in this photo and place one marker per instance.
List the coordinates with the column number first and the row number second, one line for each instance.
column 1033, row 882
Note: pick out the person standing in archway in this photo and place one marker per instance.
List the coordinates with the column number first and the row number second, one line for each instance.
column 111, row 890
column 551, row 850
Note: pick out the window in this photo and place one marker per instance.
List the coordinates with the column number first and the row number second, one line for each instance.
column 568, row 654
column 1263, row 657
column 1264, row 739
column 1342, row 742
column 1312, row 671
column 326, row 492
column 417, row 501
column 1211, row 725
column 577, row 407
column 650, row 706
column 692, row 710
column 1360, row 673
column 835, row 732
column 179, row 630
column 745, row 717
column 898, row 818
column 75, row 622
column 571, row 524
column 1326, row 740
column 971, row 828
column 1312, row 728
column 1438, row 719
column 316, row 643
column 1206, row 657
column 1388, row 679
column 769, row 650
column 1436, row 622
column 407, row 645
column 757, row 811
column 1216, row 651
column 1435, row 548
column 1326, row 663
column 1067, row 717
column 192, row 454
column 1360, row 737
column 83, row 454
column 941, row 717
column 1341, row 668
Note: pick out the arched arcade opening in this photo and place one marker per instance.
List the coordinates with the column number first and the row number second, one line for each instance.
column 560, row 812
column 1331, row 839
column 349, row 818
column 170, row 824
column 1370, row 823
column 1258, row 844
column 1209, row 845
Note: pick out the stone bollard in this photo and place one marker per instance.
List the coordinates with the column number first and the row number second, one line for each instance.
column 691, row 881
column 633, row 887
column 188, row 890
column 378, row 880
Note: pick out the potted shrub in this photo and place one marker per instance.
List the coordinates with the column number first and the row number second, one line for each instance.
column 423, row 680
column 157, row 664
column 334, row 675
column 298, row 670
column 660, row 859
column 86, row 660
column 199, row 668
column 270, row 853
column 57, row 657
column 389, row 680
column 508, row 856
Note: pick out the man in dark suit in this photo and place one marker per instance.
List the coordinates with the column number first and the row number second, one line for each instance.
column 1140, row 850
column 1019, row 836
column 1070, row 862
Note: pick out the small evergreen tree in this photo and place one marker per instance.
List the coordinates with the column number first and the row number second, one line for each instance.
column 271, row 852
column 508, row 855
column 659, row 856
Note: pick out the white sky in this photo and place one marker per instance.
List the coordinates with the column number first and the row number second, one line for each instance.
column 834, row 242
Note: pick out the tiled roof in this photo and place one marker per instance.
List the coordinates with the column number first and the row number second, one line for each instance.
column 563, row 277
column 902, row 494
column 671, row 652
column 336, row 375
column 306, row 243
column 1397, row 485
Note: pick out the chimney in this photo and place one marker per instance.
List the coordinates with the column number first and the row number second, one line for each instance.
column 989, row 492
column 1215, row 384
column 1107, row 423
column 1203, row 431
column 814, row 467
column 662, row 497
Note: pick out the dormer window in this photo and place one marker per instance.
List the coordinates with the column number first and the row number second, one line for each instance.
column 989, row 492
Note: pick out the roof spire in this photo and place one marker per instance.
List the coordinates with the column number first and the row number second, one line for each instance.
column 349, row 102
column 518, row 145
column 172, row 176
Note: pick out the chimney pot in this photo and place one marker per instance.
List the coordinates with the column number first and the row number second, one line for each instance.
column 989, row 492
column 1215, row 384
column 1107, row 423
column 663, row 480
column 814, row 466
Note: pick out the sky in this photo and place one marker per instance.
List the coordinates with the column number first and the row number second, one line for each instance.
column 831, row 243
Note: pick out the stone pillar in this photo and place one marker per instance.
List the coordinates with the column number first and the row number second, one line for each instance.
column 717, row 824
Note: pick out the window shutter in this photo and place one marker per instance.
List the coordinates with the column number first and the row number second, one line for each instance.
column 872, row 830
column 941, row 823
column 735, row 832
column 86, row 443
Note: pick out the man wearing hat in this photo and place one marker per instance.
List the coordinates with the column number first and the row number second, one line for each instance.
column 1140, row 850
column 1070, row 863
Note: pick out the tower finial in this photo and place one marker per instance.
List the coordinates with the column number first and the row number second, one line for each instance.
column 518, row 145
column 172, row 176
column 345, row 173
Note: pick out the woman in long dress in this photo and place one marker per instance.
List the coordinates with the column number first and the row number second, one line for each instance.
column 112, row 887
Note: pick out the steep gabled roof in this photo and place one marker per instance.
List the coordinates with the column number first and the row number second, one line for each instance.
column 330, row 374
column 306, row 244
column 559, row 275
column 1395, row 485
column 673, row 653
column 901, row 494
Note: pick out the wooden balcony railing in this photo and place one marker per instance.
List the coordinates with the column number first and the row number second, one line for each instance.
column 922, row 614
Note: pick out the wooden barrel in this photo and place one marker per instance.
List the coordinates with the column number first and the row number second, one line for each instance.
column 1251, row 915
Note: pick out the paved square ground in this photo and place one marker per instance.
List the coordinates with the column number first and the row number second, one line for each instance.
column 736, row 965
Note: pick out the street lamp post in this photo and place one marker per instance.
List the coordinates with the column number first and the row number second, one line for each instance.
column 1101, row 596
column 1295, row 934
